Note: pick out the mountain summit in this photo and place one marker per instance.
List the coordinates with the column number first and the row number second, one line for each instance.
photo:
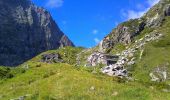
column 25, row 31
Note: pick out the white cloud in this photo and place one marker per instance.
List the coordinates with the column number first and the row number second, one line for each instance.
column 96, row 40
column 95, row 31
column 132, row 14
column 152, row 2
column 54, row 3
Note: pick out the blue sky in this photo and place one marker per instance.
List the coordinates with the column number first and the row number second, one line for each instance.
column 86, row 22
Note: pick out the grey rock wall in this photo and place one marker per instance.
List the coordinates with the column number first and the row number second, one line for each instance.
column 25, row 31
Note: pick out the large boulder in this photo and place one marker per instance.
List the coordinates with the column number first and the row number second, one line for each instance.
column 167, row 10
column 97, row 58
column 51, row 58
column 115, row 70
column 160, row 73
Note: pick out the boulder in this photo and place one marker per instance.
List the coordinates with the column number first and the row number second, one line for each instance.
column 115, row 70
column 159, row 74
column 167, row 10
column 51, row 58
column 101, row 58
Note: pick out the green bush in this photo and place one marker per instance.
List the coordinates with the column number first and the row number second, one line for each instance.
column 5, row 73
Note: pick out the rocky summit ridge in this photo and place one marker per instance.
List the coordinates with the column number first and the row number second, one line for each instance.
column 127, row 31
column 25, row 31
column 128, row 42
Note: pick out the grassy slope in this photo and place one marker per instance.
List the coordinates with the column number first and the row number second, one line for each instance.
column 67, row 82
column 155, row 54
column 62, row 81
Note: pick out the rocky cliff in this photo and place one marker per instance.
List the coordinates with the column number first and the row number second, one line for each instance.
column 25, row 31
column 126, row 31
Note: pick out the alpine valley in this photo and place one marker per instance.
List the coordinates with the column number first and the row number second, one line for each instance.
column 39, row 62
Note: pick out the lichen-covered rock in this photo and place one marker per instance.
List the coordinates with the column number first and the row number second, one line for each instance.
column 167, row 10
column 159, row 74
column 115, row 70
column 101, row 58
column 25, row 31
column 51, row 58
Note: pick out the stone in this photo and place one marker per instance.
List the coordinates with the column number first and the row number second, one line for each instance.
column 51, row 58
column 26, row 66
column 115, row 70
column 153, row 77
column 92, row 88
column 131, row 63
column 115, row 93
column 126, row 57
column 167, row 10
column 159, row 74
column 22, row 97
column 166, row 90
column 101, row 58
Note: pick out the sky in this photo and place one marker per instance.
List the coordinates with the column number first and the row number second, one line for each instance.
column 87, row 22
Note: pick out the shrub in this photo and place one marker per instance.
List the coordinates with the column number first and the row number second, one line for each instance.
column 5, row 73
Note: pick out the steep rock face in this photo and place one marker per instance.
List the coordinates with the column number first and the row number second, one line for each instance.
column 125, row 32
column 25, row 31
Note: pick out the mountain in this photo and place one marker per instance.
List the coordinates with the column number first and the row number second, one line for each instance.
column 126, row 32
column 25, row 31
column 136, row 50
column 131, row 63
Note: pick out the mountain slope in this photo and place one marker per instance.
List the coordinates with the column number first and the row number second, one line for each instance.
column 144, row 42
column 142, row 46
column 62, row 81
column 125, row 32
column 25, row 31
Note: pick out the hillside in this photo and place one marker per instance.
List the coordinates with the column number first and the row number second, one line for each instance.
column 131, row 63
column 42, row 81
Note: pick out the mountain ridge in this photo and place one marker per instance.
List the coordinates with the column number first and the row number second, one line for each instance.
column 126, row 31
column 27, row 31
column 136, row 67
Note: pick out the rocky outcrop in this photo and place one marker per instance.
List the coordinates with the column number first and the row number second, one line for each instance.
column 115, row 70
column 126, row 57
column 101, row 58
column 157, row 14
column 167, row 10
column 25, row 31
column 51, row 58
column 126, row 31
column 160, row 73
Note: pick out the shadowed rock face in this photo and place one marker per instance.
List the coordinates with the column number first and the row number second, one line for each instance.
column 25, row 31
